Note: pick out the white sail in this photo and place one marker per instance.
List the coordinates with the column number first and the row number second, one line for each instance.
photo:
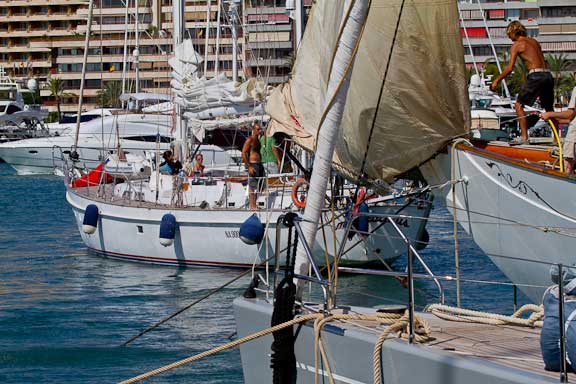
column 424, row 101
column 195, row 94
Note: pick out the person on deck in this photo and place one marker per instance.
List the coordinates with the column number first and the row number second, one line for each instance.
column 270, row 155
column 570, row 139
column 198, row 165
column 253, row 162
column 170, row 165
column 539, row 82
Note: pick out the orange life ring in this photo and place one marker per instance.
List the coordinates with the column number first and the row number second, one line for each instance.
column 299, row 201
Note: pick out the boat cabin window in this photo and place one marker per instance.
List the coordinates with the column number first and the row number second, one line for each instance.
column 7, row 94
column 12, row 109
column 149, row 138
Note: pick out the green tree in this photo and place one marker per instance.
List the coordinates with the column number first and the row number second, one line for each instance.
column 558, row 65
column 109, row 96
column 56, row 88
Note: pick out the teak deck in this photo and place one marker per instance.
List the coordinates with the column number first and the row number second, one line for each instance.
column 512, row 346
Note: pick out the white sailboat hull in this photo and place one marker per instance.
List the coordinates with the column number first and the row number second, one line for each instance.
column 514, row 212
column 210, row 237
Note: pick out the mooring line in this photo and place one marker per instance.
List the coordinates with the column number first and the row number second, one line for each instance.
column 215, row 290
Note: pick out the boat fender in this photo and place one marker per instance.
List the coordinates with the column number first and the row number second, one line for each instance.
column 299, row 199
column 252, row 230
column 361, row 223
column 90, row 222
column 423, row 240
column 550, row 335
column 167, row 230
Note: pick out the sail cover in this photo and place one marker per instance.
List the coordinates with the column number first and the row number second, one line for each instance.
column 424, row 99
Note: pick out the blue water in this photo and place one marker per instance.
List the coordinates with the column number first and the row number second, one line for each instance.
column 64, row 312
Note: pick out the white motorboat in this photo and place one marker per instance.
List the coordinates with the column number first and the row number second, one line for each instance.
column 134, row 133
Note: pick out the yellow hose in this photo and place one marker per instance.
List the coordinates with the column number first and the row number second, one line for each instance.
column 560, row 156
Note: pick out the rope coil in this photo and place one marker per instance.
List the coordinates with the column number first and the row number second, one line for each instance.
column 450, row 313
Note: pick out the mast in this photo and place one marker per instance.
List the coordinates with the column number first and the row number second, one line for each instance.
column 137, row 49
column 178, row 36
column 467, row 38
column 74, row 154
column 299, row 21
column 125, row 56
column 217, row 63
column 506, row 91
column 233, row 14
column 207, row 33
column 328, row 134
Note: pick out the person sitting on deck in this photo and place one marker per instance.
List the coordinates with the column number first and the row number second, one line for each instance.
column 170, row 166
column 253, row 162
column 198, row 165
column 539, row 82
column 570, row 139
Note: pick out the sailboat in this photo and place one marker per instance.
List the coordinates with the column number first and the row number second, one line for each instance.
column 196, row 220
column 395, row 86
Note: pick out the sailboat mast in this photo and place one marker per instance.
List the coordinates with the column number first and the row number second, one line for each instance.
column 218, row 17
column 328, row 134
column 233, row 12
column 504, row 85
column 178, row 37
column 125, row 56
column 137, row 48
column 206, row 38
column 299, row 21
column 74, row 154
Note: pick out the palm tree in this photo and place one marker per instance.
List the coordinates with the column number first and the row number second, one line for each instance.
column 110, row 95
column 56, row 88
column 289, row 61
column 558, row 64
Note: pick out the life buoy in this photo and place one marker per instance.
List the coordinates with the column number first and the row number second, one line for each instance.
column 299, row 200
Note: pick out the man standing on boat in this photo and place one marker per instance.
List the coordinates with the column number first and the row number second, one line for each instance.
column 569, row 143
column 253, row 162
column 539, row 82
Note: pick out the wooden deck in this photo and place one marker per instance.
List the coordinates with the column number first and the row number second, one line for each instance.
column 512, row 346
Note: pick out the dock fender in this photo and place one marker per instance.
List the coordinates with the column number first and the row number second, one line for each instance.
column 252, row 230
column 167, row 229
column 550, row 334
column 90, row 222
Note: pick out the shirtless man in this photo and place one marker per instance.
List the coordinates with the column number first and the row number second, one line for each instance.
column 539, row 82
column 253, row 161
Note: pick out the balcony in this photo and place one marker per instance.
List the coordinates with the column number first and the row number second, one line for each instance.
column 267, row 62
column 27, row 3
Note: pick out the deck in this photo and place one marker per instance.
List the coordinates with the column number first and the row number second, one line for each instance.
column 512, row 346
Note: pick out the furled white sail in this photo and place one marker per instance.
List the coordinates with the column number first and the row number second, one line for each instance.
column 424, row 101
column 195, row 93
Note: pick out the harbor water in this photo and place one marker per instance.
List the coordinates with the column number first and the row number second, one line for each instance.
column 64, row 312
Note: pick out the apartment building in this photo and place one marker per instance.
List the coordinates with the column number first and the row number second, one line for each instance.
column 45, row 40
column 552, row 22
